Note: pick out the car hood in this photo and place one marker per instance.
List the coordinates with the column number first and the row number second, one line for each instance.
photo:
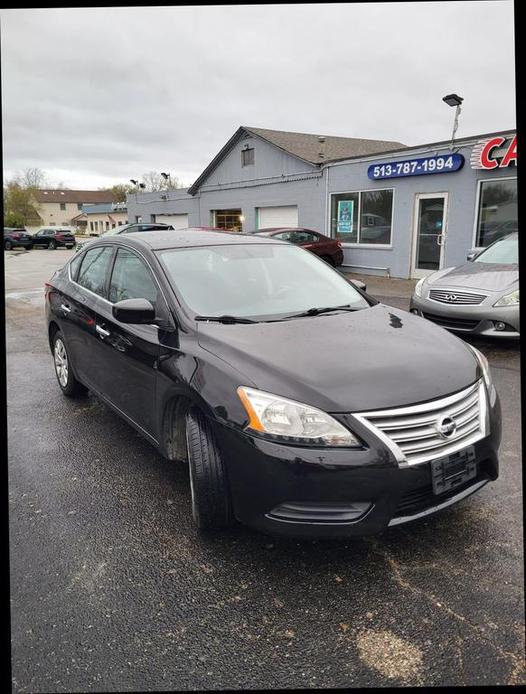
column 491, row 277
column 346, row 362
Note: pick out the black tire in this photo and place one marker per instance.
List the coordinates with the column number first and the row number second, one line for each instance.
column 211, row 505
column 52, row 245
column 8, row 245
column 66, row 380
column 328, row 260
column 29, row 248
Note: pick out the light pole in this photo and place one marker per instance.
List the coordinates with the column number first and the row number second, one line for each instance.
column 167, row 178
column 454, row 100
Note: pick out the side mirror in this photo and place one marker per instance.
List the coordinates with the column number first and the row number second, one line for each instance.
column 358, row 283
column 138, row 311
column 472, row 254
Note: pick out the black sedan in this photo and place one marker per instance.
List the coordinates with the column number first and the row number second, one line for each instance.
column 17, row 238
column 303, row 406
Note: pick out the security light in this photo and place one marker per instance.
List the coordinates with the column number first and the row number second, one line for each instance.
column 166, row 176
column 142, row 185
column 453, row 99
column 135, row 183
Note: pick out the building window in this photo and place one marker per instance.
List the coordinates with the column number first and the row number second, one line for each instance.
column 79, row 206
column 363, row 217
column 62, row 205
column 229, row 220
column 91, row 226
column 497, row 213
column 247, row 157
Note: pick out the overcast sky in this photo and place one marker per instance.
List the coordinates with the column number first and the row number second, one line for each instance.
column 98, row 96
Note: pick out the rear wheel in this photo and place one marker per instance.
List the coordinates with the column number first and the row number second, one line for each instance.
column 8, row 245
column 211, row 506
column 65, row 377
column 52, row 245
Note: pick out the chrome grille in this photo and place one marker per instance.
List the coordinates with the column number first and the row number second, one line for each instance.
column 451, row 296
column 412, row 433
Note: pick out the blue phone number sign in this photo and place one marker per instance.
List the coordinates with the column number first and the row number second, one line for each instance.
column 444, row 163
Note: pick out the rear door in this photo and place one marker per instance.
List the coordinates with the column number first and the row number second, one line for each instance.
column 126, row 355
column 75, row 306
column 41, row 238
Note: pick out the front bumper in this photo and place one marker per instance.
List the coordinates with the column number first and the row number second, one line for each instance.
column 475, row 320
column 275, row 487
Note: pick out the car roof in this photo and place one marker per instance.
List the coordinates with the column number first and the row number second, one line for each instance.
column 184, row 238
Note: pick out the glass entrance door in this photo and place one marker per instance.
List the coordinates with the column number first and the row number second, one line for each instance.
column 429, row 233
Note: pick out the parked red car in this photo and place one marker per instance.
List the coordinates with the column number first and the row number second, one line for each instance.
column 327, row 249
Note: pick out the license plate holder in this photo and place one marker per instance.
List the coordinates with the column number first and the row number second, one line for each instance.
column 453, row 470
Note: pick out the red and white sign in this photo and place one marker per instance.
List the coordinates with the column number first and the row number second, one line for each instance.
column 492, row 154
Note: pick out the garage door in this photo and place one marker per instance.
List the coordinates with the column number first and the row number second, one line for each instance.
column 178, row 221
column 278, row 216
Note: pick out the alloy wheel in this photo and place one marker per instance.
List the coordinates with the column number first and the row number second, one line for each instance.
column 61, row 362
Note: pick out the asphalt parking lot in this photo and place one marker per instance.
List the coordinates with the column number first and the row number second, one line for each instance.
column 112, row 588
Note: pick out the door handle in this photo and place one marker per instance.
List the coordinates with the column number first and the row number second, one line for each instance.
column 440, row 239
column 103, row 333
column 65, row 308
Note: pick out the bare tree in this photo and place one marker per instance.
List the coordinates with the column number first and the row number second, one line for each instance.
column 32, row 178
column 119, row 191
column 154, row 182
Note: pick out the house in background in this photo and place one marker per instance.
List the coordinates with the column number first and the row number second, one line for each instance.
column 94, row 220
column 61, row 207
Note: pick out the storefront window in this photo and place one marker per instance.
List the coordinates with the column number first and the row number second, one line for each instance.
column 497, row 213
column 362, row 217
column 345, row 217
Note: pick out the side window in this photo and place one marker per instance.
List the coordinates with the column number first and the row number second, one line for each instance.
column 74, row 266
column 94, row 269
column 301, row 237
column 284, row 236
column 131, row 279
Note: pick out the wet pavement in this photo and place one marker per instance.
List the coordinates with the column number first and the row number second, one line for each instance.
column 112, row 588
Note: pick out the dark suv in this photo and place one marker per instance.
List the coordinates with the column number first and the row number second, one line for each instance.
column 53, row 238
column 17, row 237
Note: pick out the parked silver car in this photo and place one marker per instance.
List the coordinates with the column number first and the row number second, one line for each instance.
column 479, row 297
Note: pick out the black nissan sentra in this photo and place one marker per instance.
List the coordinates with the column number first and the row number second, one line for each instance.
column 302, row 405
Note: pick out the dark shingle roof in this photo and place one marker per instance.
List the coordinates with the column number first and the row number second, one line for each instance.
column 305, row 146
column 83, row 196
column 308, row 147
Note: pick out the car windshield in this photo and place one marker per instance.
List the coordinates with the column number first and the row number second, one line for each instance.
column 259, row 281
column 503, row 252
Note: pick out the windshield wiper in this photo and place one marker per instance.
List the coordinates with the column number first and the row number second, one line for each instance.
column 226, row 319
column 324, row 309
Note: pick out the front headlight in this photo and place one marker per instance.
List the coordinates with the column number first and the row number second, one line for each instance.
column 292, row 421
column 419, row 286
column 511, row 299
column 484, row 365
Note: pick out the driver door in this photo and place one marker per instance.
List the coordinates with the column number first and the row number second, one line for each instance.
column 127, row 354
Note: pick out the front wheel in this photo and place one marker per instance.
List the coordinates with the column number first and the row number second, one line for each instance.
column 211, row 505
column 65, row 377
column 52, row 245
column 8, row 245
